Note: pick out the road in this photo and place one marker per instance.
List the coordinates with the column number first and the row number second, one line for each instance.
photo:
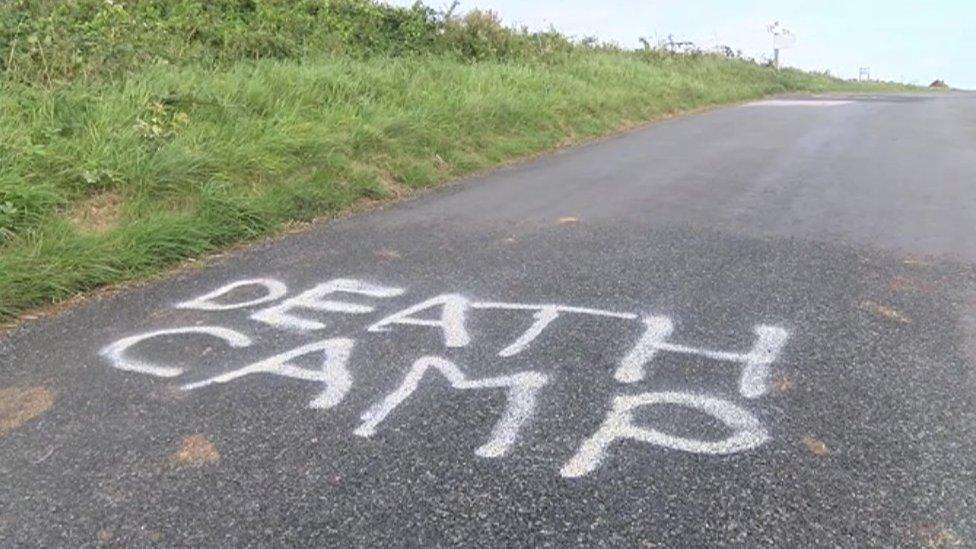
column 754, row 326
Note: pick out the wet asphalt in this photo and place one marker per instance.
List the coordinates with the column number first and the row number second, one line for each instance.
column 847, row 221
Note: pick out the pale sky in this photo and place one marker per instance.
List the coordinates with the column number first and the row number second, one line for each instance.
column 909, row 41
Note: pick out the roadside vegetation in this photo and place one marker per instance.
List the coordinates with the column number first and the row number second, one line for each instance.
column 136, row 134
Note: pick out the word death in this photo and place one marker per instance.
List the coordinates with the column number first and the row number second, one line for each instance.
column 267, row 302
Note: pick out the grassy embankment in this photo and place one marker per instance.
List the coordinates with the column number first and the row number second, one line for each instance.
column 135, row 135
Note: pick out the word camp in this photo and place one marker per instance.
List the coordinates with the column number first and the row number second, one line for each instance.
column 447, row 315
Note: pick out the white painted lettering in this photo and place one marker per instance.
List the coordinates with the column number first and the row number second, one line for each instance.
column 657, row 329
column 522, row 388
column 747, row 434
column 333, row 373
column 453, row 313
column 325, row 363
column 544, row 316
column 116, row 351
column 753, row 380
column 280, row 315
column 273, row 290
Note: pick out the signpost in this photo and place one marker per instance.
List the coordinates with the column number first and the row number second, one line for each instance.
column 783, row 39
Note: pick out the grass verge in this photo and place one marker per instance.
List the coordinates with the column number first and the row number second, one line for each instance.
column 108, row 180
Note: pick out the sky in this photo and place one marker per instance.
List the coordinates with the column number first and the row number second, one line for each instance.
column 907, row 41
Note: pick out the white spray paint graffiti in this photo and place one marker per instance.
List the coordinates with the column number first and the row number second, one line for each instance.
column 544, row 316
column 333, row 373
column 754, row 380
column 656, row 331
column 619, row 425
column 116, row 351
column 522, row 388
column 275, row 290
column 453, row 312
column 279, row 316
column 449, row 315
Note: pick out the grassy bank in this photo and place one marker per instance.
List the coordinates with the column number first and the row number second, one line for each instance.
column 112, row 172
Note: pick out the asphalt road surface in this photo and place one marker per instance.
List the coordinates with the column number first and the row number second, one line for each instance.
column 750, row 326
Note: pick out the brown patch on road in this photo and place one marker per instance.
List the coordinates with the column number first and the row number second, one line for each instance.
column 939, row 537
column 782, row 384
column 915, row 262
column 900, row 283
column 888, row 312
column 388, row 254
column 816, row 446
column 196, row 450
column 18, row 405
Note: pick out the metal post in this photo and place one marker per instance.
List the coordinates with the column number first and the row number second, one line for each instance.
column 782, row 39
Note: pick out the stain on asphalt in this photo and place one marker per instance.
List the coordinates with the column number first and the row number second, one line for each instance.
column 196, row 450
column 783, row 383
column 816, row 446
column 18, row 405
column 939, row 537
column 887, row 312
column 386, row 253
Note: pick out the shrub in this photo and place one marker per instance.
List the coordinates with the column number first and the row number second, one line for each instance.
column 50, row 42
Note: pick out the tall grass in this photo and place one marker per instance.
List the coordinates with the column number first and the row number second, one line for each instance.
column 106, row 176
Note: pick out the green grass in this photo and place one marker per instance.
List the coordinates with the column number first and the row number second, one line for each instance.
column 104, row 180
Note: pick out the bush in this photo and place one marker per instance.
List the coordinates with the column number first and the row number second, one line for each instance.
column 54, row 42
